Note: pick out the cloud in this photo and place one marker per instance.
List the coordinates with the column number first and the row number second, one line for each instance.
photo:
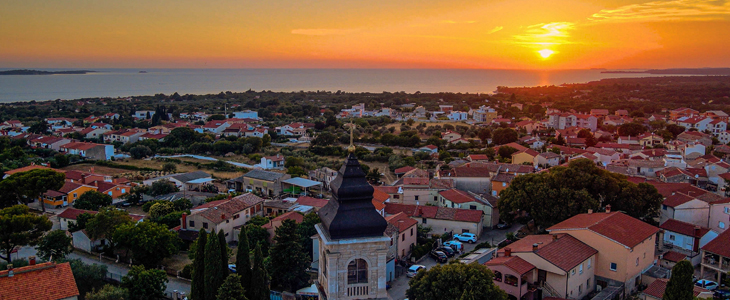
column 498, row 28
column 555, row 33
column 666, row 11
column 323, row 31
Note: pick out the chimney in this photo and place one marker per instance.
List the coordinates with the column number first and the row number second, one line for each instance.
column 534, row 247
column 223, row 216
column 507, row 252
column 184, row 221
column 11, row 273
column 608, row 208
column 555, row 237
column 697, row 231
column 31, row 260
column 590, row 211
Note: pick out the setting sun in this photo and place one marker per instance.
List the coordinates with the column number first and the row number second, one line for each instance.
column 546, row 53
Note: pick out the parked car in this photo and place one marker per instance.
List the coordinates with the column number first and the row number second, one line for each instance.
column 232, row 268
column 456, row 245
column 439, row 256
column 707, row 284
column 502, row 225
column 447, row 250
column 722, row 294
column 466, row 237
column 413, row 270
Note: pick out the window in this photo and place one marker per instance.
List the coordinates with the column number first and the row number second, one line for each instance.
column 572, row 272
column 110, row 193
column 357, row 271
column 504, row 184
column 721, row 224
column 580, row 288
column 510, row 279
column 473, row 207
column 671, row 237
column 236, row 216
column 580, row 269
column 396, row 196
column 613, row 267
column 228, row 221
column 637, row 261
column 205, row 225
column 664, row 207
column 192, row 224
column 75, row 195
column 588, row 284
column 403, row 237
column 727, row 210
column 424, row 220
column 589, row 262
column 124, row 191
column 497, row 276
column 416, row 197
column 411, row 231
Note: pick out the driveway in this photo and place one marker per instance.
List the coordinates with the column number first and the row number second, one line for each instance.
column 399, row 286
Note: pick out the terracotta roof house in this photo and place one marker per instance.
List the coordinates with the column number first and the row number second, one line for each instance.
column 276, row 222
column 626, row 245
column 441, row 219
column 44, row 281
column 467, row 200
column 716, row 256
column 69, row 216
column 655, row 291
column 514, row 275
column 407, row 233
column 223, row 215
column 686, row 236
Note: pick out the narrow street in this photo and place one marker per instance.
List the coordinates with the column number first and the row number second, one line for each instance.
column 399, row 286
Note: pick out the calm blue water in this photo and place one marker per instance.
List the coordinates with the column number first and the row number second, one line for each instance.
column 129, row 82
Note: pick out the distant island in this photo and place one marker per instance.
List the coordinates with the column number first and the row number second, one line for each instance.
column 693, row 71
column 38, row 72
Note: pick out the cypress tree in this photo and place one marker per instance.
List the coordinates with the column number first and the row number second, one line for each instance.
column 680, row 285
column 243, row 262
column 224, row 249
column 259, row 278
column 231, row 289
column 215, row 272
column 197, row 291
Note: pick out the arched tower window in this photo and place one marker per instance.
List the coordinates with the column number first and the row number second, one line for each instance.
column 357, row 271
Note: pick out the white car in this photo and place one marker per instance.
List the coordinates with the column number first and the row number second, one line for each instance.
column 456, row 245
column 704, row 283
column 466, row 237
column 413, row 270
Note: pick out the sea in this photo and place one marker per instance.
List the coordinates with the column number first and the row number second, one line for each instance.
column 138, row 82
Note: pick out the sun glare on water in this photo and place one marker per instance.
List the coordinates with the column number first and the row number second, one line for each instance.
column 546, row 53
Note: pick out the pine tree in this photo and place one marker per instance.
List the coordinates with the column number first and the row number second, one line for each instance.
column 289, row 261
column 231, row 289
column 197, row 291
column 215, row 271
column 259, row 278
column 680, row 285
column 224, row 248
column 243, row 261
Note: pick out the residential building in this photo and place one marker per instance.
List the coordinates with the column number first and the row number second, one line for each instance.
column 275, row 162
column 514, row 276
column 66, row 195
column 716, row 257
column 686, row 236
column 223, row 215
column 500, row 182
column 565, row 120
column 441, row 219
column 124, row 135
column 184, row 181
column 690, row 205
column 546, row 160
column 450, row 136
column 683, row 112
column 467, row 200
column 39, row 281
column 215, row 126
column 90, row 151
column 431, row 149
column 484, row 114
column 144, row 114
column 524, row 156
column 655, row 291
column 626, row 246
column 407, row 233
column 246, row 114
column 264, row 182
column 720, row 215
column 69, row 216
column 275, row 223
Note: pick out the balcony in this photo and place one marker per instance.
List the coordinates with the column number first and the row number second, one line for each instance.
column 716, row 262
column 357, row 290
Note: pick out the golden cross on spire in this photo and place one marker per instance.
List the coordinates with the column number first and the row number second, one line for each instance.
column 352, row 126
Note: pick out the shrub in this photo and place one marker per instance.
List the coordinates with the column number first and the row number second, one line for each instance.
column 187, row 271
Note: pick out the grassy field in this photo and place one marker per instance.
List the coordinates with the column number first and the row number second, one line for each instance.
column 383, row 167
column 97, row 169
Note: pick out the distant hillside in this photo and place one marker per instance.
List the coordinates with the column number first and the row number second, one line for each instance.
column 37, row 72
column 693, row 71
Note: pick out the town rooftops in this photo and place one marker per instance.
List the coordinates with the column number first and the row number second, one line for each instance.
column 44, row 281
column 562, row 250
column 515, row 263
column 435, row 212
column 292, row 215
column 457, row 196
column 401, row 221
column 656, row 289
column 221, row 210
column 73, row 213
column 403, row 170
column 186, row 177
column 674, row 256
column 615, row 226
column 263, row 175
column 684, row 228
column 720, row 245
column 314, row 202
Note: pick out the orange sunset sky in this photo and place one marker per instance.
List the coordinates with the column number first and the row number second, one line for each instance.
column 519, row 34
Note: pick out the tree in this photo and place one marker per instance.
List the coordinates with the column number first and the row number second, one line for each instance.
column 296, row 171
column 214, row 270
column 502, row 136
column 506, row 151
column 20, row 227
column 306, row 231
column 675, row 129
column 455, row 281
column 484, row 134
column 145, row 284
column 562, row 192
column 104, row 223
column 224, row 248
column 258, row 235
column 55, row 245
column 87, row 277
column 169, row 167
column 243, row 261
column 108, row 292
column 141, row 151
column 26, row 187
column 93, row 200
column 149, row 242
column 162, row 187
column 680, row 285
column 289, row 262
column 631, row 129
column 80, row 223
column 231, row 289
column 160, row 209
column 373, row 176
column 182, row 204
column 39, row 127
column 588, row 135
column 197, row 287
column 259, row 277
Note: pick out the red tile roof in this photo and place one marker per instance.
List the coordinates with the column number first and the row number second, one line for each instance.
column 677, row 200
column 565, row 253
column 401, row 221
column 457, row 196
column 474, row 157
column 292, row 215
column 45, row 281
column 219, row 211
column 684, row 228
column 720, row 245
column 403, row 170
column 674, row 256
column 314, row 202
column 516, row 263
column 466, row 172
column 435, row 212
column 615, row 226
column 666, row 189
column 387, row 189
column 73, row 213
column 69, row 187
column 656, row 289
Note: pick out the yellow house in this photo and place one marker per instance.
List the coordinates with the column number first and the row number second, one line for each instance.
column 66, row 195
column 625, row 245
column 524, row 156
column 650, row 140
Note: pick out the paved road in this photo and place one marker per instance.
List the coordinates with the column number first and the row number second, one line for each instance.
column 399, row 286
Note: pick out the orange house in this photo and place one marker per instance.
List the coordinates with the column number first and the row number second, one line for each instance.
column 112, row 189
column 66, row 195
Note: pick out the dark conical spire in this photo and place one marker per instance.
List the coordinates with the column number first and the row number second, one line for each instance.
column 351, row 214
